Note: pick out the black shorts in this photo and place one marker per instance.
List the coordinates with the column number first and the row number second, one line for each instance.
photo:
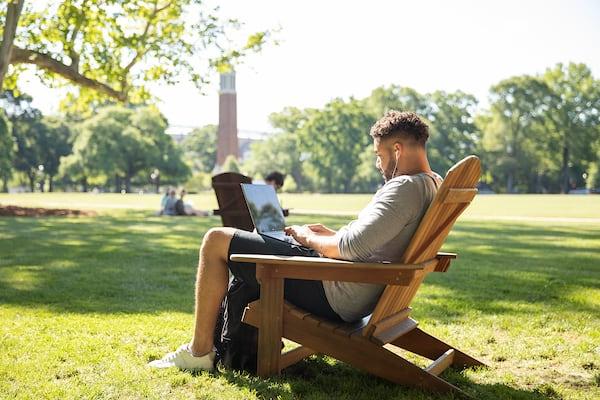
column 308, row 295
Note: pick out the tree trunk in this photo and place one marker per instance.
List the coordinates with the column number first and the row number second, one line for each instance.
column 158, row 184
column 117, row 183
column 5, row 185
column 31, row 181
column 13, row 12
column 84, row 184
column 42, row 184
column 509, row 182
column 128, row 183
column 50, row 183
column 565, row 171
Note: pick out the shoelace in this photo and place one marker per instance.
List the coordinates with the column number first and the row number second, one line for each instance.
column 175, row 354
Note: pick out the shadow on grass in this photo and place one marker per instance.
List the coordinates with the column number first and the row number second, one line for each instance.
column 134, row 262
column 316, row 378
column 128, row 263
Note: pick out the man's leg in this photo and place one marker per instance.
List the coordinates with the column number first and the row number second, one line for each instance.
column 211, row 286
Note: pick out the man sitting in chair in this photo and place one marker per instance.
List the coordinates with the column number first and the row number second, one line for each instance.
column 381, row 232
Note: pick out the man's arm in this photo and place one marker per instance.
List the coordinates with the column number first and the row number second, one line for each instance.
column 316, row 236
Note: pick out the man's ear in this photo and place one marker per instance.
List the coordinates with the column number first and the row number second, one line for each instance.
column 398, row 147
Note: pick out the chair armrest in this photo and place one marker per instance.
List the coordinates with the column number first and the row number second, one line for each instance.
column 328, row 269
column 444, row 260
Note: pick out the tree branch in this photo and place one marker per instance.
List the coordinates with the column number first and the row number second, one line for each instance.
column 44, row 61
column 142, row 38
column 13, row 13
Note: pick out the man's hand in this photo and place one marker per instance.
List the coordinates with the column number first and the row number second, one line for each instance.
column 321, row 230
column 301, row 233
column 317, row 237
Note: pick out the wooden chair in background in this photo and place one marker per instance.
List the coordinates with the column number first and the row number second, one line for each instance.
column 233, row 209
column 369, row 343
column 232, row 206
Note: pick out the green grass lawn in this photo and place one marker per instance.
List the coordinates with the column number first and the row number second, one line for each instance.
column 483, row 207
column 86, row 302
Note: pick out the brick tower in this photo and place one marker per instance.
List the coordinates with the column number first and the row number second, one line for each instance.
column 227, row 139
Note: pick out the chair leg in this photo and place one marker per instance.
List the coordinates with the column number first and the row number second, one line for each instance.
column 422, row 343
column 270, row 325
column 364, row 354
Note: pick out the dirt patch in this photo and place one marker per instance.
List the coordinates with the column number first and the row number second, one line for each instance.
column 15, row 211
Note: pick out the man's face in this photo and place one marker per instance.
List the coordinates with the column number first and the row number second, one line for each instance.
column 385, row 160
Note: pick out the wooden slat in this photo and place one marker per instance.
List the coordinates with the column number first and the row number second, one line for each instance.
column 391, row 320
column 423, row 344
column 440, row 365
column 252, row 313
column 347, row 329
column 293, row 356
column 270, row 329
column 268, row 259
column 394, row 332
column 325, row 269
column 459, row 196
column 298, row 312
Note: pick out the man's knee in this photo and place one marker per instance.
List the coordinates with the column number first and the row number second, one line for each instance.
column 217, row 238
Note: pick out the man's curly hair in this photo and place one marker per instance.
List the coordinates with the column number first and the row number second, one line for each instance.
column 403, row 124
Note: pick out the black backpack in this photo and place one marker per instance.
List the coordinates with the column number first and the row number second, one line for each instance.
column 235, row 341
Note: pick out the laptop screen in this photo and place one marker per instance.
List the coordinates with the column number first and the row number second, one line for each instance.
column 264, row 207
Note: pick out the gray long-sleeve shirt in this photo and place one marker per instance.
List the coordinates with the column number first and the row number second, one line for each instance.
column 381, row 232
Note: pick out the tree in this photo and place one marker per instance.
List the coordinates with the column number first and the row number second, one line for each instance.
column 512, row 131
column 54, row 143
column 399, row 98
column 6, row 150
column 453, row 134
column 573, row 117
column 333, row 139
column 28, row 132
column 122, row 142
column 281, row 151
column 200, row 147
column 112, row 49
column 230, row 164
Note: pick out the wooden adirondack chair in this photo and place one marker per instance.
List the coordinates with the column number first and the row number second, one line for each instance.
column 362, row 344
column 232, row 206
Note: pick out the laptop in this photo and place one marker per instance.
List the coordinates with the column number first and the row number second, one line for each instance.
column 266, row 212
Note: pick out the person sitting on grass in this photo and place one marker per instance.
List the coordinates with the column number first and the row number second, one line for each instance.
column 381, row 232
column 169, row 204
column 183, row 208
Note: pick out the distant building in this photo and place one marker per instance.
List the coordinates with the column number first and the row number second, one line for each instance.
column 227, row 137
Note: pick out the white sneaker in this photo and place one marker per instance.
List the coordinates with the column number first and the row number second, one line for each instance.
column 182, row 358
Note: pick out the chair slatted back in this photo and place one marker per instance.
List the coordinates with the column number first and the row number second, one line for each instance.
column 451, row 199
column 232, row 206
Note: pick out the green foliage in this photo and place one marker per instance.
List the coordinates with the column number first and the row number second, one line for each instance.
column 280, row 152
column 198, row 182
column 113, row 50
column 453, row 134
column 330, row 150
column 333, row 139
column 230, row 164
column 121, row 142
column 541, row 132
column 200, row 147
column 573, row 119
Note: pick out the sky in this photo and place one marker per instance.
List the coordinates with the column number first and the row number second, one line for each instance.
column 330, row 49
